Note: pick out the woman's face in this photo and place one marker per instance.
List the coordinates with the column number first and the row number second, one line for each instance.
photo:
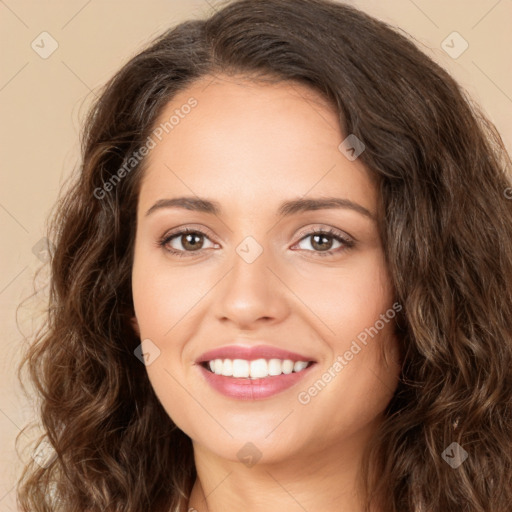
column 251, row 274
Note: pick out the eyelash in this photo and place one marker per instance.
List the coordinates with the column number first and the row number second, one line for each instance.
column 330, row 233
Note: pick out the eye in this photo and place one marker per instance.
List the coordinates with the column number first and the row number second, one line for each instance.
column 321, row 241
column 188, row 241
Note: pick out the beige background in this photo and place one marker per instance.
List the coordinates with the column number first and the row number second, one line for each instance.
column 42, row 102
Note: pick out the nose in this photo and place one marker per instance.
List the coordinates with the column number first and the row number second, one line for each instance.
column 251, row 293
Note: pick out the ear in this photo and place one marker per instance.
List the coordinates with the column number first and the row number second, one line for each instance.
column 135, row 325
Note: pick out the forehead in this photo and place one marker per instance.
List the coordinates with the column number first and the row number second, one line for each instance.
column 251, row 141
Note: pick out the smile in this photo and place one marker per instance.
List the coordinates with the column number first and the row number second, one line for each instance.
column 256, row 369
column 253, row 380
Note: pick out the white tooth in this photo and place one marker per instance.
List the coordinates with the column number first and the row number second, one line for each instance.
column 274, row 367
column 227, row 368
column 299, row 365
column 258, row 369
column 287, row 366
column 240, row 368
column 218, row 366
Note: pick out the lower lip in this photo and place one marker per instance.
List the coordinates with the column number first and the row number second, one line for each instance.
column 253, row 389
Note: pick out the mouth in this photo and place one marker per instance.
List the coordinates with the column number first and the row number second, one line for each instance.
column 257, row 379
column 256, row 368
column 253, row 372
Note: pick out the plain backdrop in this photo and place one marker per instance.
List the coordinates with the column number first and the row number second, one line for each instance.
column 55, row 55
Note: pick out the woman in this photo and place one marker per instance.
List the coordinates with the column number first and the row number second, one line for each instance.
column 282, row 280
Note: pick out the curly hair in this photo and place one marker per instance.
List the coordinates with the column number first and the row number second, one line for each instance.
column 444, row 181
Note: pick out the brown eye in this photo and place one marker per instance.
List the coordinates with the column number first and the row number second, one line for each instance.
column 184, row 241
column 191, row 241
column 321, row 242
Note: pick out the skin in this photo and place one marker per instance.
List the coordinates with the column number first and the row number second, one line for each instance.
column 251, row 146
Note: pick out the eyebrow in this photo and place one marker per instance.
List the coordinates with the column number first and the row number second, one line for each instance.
column 285, row 209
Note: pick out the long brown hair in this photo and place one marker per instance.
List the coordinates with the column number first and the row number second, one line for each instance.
column 443, row 177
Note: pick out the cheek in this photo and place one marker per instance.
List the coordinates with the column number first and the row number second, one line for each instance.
column 349, row 299
column 164, row 295
column 163, row 302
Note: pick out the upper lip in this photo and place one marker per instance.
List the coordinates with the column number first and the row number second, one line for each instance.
column 251, row 353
